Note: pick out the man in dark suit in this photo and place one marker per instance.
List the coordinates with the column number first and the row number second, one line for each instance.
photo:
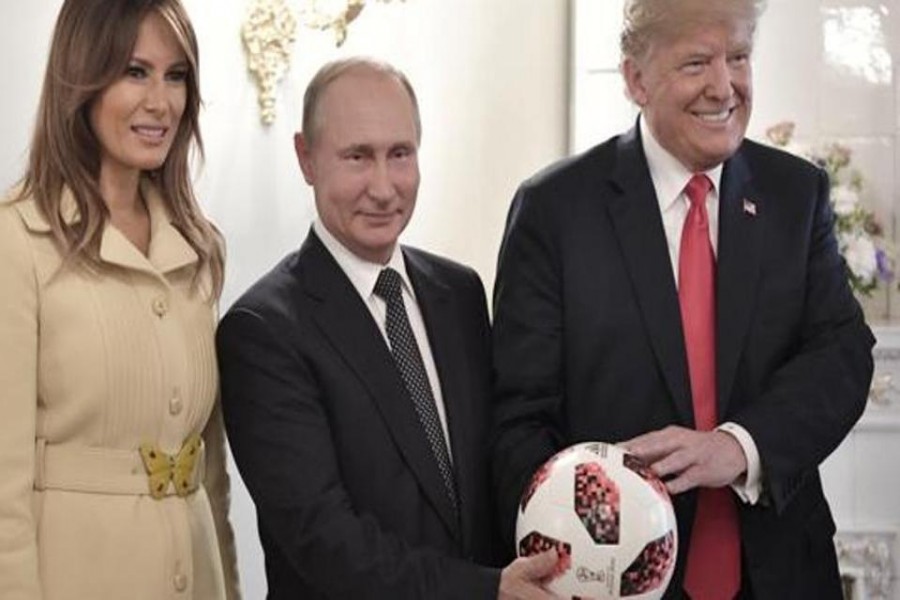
column 679, row 289
column 356, row 377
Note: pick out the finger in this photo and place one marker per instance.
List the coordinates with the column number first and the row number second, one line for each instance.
column 680, row 484
column 540, row 566
column 675, row 463
column 655, row 445
column 649, row 447
column 695, row 476
column 534, row 592
column 637, row 442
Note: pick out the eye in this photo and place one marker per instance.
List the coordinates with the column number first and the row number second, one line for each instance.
column 177, row 75
column 694, row 65
column 135, row 72
column 740, row 58
column 402, row 152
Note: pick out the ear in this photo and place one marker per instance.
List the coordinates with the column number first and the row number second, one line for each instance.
column 633, row 74
column 304, row 157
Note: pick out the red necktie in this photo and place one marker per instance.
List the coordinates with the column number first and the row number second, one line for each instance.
column 714, row 554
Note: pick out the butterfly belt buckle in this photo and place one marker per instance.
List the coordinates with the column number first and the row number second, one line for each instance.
column 179, row 469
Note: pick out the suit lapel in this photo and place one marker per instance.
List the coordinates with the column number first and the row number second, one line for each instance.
column 638, row 226
column 442, row 323
column 347, row 324
column 741, row 226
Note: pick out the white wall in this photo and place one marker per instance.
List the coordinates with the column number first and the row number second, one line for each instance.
column 492, row 83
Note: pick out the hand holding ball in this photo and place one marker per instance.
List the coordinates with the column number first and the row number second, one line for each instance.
column 610, row 519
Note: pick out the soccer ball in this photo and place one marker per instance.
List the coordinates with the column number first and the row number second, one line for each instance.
column 610, row 519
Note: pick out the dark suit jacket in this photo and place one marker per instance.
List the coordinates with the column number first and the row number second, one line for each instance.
column 588, row 342
column 349, row 498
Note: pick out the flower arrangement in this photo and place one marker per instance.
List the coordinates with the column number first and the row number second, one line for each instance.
column 867, row 253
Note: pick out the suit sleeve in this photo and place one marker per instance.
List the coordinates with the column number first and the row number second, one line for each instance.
column 18, row 404
column 815, row 396
column 528, row 349
column 282, row 442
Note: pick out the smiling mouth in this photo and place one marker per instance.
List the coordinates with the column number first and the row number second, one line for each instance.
column 150, row 132
column 716, row 117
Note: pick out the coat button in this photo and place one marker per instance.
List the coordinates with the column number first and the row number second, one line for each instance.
column 180, row 582
column 160, row 307
column 175, row 405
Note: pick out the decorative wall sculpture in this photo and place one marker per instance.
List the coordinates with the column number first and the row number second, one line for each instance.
column 332, row 14
column 269, row 33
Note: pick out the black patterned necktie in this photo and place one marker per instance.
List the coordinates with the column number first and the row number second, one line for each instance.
column 412, row 370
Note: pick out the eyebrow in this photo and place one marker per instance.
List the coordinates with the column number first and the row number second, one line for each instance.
column 358, row 149
column 370, row 149
column 182, row 64
column 737, row 48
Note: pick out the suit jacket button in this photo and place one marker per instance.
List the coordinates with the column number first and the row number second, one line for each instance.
column 160, row 307
column 180, row 582
column 175, row 405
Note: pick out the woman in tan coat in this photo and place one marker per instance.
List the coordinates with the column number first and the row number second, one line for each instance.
column 112, row 456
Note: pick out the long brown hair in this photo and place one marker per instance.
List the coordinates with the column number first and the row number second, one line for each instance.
column 91, row 48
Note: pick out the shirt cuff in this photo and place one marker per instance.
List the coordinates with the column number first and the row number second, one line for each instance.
column 748, row 486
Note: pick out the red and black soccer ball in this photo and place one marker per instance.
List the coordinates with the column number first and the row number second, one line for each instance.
column 610, row 519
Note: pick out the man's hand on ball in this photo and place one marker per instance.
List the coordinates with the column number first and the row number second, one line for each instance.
column 686, row 459
column 523, row 578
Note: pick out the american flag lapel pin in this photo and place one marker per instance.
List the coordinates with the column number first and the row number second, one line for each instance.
column 749, row 207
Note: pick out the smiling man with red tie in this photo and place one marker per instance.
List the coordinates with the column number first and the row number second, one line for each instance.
column 679, row 289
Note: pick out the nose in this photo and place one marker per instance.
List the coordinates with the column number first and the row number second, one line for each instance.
column 156, row 96
column 381, row 185
column 720, row 81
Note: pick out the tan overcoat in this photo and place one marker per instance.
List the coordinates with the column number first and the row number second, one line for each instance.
column 95, row 362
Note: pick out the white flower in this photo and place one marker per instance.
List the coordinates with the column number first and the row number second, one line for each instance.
column 860, row 254
column 869, row 259
column 844, row 199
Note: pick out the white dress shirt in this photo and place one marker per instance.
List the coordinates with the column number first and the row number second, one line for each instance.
column 363, row 275
column 669, row 180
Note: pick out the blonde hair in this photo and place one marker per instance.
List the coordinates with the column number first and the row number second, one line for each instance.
column 91, row 48
column 332, row 71
column 645, row 20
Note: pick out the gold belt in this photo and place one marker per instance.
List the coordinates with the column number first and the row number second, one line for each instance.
column 148, row 471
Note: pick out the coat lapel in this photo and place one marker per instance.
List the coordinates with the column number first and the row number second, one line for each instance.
column 638, row 226
column 742, row 218
column 169, row 250
column 347, row 324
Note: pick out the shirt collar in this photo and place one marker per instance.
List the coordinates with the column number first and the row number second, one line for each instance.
column 668, row 174
column 362, row 273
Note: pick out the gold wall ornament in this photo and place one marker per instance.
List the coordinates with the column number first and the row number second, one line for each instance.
column 268, row 34
column 332, row 14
